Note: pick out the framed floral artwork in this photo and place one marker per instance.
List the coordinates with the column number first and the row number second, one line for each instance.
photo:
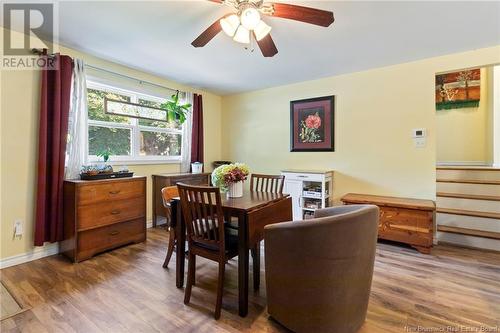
column 312, row 124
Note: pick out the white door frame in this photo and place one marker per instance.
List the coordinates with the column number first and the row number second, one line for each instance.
column 496, row 116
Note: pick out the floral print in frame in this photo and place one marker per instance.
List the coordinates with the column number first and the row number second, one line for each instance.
column 312, row 124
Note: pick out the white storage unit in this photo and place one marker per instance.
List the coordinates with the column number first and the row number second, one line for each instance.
column 309, row 189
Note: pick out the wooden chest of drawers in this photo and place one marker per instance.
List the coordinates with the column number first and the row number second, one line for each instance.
column 103, row 214
column 170, row 179
column 409, row 221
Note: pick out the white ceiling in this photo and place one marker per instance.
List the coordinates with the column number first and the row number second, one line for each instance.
column 155, row 37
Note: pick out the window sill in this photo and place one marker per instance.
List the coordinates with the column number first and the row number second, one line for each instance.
column 137, row 162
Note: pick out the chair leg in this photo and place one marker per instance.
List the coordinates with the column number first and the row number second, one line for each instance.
column 193, row 276
column 171, row 245
column 220, row 288
column 256, row 266
column 189, row 282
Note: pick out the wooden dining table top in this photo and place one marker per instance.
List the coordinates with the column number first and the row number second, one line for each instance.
column 250, row 200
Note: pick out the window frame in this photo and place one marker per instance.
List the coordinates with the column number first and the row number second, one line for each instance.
column 135, row 130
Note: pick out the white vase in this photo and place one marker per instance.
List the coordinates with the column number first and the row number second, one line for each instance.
column 235, row 190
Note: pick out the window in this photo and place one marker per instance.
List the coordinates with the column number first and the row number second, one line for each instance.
column 129, row 139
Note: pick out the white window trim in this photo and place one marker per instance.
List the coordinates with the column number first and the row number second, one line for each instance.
column 134, row 128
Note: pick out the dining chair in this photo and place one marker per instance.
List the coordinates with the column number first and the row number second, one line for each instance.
column 167, row 194
column 267, row 183
column 204, row 219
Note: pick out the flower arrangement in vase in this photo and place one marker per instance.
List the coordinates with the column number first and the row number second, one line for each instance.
column 230, row 177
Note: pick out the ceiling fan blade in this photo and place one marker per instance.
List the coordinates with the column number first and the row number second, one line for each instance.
column 207, row 35
column 304, row 14
column 267, row 46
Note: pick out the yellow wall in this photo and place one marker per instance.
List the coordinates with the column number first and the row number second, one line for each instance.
column 376, row 111
column 464, row 135
column 19, row 121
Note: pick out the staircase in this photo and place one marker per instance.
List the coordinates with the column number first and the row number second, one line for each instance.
column 468, row 206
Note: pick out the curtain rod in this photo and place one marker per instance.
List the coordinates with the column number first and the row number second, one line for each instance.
column 40, row 52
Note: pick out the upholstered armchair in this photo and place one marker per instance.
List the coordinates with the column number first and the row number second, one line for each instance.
column 319, row 272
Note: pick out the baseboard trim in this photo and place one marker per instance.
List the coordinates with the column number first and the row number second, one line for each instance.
column 36, row 253
column 39, row 253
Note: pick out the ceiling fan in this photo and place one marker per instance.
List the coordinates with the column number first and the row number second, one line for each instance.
column 246, row 24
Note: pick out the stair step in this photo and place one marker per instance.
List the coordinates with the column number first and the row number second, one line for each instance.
column 469, row 232
column 468, row 204
column 468, row 196
column 474, row 189
column 468, row 213
column 469, row 181
column 469, row 222
column 468, row 168
column 468, row 241
column 469, row 174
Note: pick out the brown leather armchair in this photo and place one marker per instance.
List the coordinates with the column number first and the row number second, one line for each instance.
column 319, row 272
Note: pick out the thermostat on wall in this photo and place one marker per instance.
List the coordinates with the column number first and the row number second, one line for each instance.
column 419, row 133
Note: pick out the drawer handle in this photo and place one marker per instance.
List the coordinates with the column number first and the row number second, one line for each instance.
column 300, row 176
column 115, row 212
column 114, row 192
column 114, row 233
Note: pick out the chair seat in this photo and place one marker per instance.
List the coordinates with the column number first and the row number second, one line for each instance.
column 231, row 241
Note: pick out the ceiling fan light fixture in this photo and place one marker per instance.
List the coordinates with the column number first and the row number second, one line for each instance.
column 250, row 18
column 242, row 35
column 261, row 30
column 230, row 24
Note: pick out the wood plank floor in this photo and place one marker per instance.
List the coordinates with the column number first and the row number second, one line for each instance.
column 8, row 304
column 127, row 290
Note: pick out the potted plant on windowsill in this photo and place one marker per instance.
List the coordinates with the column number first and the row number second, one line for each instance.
column 105, row 154
column 230, row 177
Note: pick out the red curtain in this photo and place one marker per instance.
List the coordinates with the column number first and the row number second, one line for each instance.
column 197, row 134
column 52, row 136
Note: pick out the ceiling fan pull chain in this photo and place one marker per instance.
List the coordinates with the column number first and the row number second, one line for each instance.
column 251, row 46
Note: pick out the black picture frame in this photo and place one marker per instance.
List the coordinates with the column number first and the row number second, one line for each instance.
column 322, row 107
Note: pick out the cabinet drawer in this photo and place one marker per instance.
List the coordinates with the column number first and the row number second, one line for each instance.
column 315, row 177
column 190, row 180
column 105, row 213
column 93, row 241
column 97, row 193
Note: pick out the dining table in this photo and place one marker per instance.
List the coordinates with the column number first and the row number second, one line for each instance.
column 253, row 211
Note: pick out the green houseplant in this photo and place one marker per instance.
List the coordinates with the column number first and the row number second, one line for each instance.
column 176, row 111
column 105, row 154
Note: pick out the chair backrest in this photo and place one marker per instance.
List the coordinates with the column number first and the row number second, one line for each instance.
column 330, row 271
column 202, row 210
column 168, row 193
column 267, row 183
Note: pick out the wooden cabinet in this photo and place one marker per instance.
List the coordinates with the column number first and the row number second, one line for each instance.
column 309, row 189
column 170, row 179
column 409, row 221
column 103, row 214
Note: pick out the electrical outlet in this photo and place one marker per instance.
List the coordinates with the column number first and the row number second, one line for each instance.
column 18, row 228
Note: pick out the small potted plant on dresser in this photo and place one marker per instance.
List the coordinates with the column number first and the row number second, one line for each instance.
column 230, row 177
column 102, row 170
